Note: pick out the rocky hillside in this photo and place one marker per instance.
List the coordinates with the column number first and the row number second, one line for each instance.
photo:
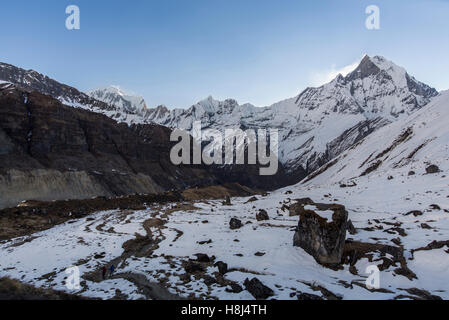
column 50, row 151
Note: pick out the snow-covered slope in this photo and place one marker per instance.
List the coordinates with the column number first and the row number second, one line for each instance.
column 319, row 123
column 406, row 146
column 125, row 103
column 390, row 207
column 260, row 249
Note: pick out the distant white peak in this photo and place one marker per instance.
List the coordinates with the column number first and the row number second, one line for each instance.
column 115, row 89
column 211, row 105
column 116, row 96
column 368, row 64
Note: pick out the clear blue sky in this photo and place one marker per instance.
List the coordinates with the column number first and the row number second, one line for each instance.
column 176, row 52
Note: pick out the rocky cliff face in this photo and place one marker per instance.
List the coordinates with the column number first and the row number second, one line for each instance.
column 50, row 151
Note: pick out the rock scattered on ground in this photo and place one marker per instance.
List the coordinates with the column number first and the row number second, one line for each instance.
column 235, row 224
column 262, row 215
column 192, row 267
column 222, row 267
column 234, row 288
column 201, row 257
column 252, row 199
column 227, row 201
column 257, row 289
column 308, row 297
column 432, row 169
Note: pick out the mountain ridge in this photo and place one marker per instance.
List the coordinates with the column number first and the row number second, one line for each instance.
column 312, row 123
column 314, row 127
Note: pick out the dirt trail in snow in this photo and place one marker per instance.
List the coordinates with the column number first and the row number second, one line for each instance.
column 140, row 246
column 152, row 291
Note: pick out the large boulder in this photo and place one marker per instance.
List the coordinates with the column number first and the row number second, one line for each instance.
column 262, row 215
column 235, row 224
column 258, row 289
column 222, row 267
column 321, row 237
column 432, row 169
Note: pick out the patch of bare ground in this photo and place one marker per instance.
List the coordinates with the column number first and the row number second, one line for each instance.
column 417, row 294
column 218, row 192
column 144, row 246
column 34, row 216
column 434, row 245
column 15, row 290
column 151, row 290
column 185, row 206
column 354, row 251
column 244, row 270
column 327, row 294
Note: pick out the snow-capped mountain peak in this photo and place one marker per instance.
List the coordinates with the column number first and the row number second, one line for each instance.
column 123, row 101
column 321, row 122
column 314, row 126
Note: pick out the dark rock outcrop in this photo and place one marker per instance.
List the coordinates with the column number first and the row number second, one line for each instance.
column 308, row 297
column 53, row 152
column 222, row 267
column 235, row 288
column 322, row 239
column 257, row 289
column 432, row 169
column 227, row 201
column 351, row 229
column 262, row 215
column 354, row 251
column 201, row 257
column 235, row 224
column 192, row 267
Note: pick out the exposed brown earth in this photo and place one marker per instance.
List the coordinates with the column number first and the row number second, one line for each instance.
column 15, row 290
column 33, row 216
column 354, row 251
